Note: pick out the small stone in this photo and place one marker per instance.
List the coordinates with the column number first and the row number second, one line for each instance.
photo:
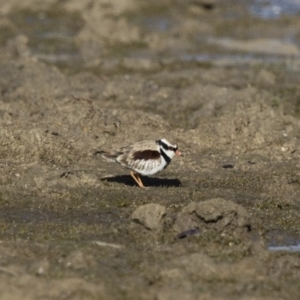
column 40, row 267
column 188, row 232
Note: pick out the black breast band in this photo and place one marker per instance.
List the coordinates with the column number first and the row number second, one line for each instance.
column 165, row 156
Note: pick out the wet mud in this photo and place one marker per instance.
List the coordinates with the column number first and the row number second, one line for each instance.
column 220, row 80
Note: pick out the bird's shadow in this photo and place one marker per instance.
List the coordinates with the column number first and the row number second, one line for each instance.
column 148, row 182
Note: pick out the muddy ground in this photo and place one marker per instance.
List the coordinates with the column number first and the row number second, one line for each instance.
column 219, row 80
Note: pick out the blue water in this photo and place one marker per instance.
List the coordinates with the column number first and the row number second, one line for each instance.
column 281, row 241
column 274, row 9
column 292, row 248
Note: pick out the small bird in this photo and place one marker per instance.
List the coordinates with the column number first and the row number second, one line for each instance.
column 147, row 157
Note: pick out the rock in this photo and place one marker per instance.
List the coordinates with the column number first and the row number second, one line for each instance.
column 150, row 215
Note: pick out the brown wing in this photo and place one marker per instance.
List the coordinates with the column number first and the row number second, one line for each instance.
column 141, row 161
column 136, row 155
column 145, row 155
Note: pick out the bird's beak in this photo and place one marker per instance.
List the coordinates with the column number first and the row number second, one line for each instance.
column 177, row 152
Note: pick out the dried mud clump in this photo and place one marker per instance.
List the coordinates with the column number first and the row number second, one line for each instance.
column 148, row 221
column 217, row 214
column 151, row 222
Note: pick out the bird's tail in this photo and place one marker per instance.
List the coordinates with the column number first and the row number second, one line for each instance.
column 112, row 155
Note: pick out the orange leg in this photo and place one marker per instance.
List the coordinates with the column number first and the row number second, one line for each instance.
column 137, row 179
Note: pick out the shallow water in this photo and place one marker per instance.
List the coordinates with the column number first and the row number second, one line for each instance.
column 50, row 34
column 282, row 241
column 291, row 248
column 273, row 9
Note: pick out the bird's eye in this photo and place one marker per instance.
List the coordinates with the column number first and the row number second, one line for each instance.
column 172, row 148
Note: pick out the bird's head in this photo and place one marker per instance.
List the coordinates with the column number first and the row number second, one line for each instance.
column 168, row 148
